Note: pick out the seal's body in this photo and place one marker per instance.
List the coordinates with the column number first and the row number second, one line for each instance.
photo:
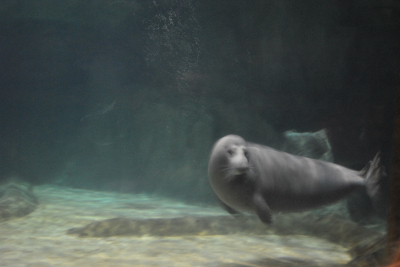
column 256, row 178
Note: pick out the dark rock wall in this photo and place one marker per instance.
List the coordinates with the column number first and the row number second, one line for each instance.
column 393, row 237
column 131, row 95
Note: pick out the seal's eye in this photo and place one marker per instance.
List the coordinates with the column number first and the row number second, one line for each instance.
column 230, row 152
column 246, row 154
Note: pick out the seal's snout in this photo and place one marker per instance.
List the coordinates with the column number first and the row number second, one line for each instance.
column 239, row 160
column 242, row 169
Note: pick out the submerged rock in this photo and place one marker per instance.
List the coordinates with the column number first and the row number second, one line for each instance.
column 213, row 225
column 311, row 145
column 332, row 228
column 16, row 199
column 363, row 244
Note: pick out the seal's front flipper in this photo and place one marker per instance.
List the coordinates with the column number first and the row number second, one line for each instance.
column 228, row 208
column 262, row 209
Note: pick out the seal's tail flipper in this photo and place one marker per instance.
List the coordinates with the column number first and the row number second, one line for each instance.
column 374, row 173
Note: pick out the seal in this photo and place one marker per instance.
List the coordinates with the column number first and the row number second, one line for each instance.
column 250, row 177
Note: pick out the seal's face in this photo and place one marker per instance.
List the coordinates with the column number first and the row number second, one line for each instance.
column 238, row 160
column 230, row 172
column 229, row 158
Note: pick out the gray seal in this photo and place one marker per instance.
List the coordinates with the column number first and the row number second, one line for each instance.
column 250, row 177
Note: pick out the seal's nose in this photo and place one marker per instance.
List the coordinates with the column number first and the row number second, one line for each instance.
column 239, row 160
column 242, row 169
column 242, row 165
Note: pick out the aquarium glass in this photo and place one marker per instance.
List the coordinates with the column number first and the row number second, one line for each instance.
column 110, row 109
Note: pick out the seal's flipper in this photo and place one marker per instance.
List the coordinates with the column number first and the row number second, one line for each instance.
column 364, row 171
column 374, row 173
column 262, row 209
column 227, row 208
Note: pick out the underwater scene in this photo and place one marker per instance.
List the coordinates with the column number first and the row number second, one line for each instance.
column 197, row 132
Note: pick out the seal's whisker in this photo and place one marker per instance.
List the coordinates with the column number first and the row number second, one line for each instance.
column 228, row 168
column 251, row 173
column 229, row 176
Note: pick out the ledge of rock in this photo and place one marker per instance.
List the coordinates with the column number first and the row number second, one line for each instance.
column 365, row 245
column 16, row 200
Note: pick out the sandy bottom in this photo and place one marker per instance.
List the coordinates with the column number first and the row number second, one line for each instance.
column 40, row 239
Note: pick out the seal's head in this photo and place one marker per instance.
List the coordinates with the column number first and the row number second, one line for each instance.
column 230, row 173
column 229, row 158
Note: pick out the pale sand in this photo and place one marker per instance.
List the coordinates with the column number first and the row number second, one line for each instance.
column 40, row 239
